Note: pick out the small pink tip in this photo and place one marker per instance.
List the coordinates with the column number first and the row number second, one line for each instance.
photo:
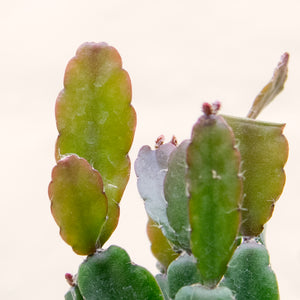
column 216, row 106
column 69, row 278
column 284, row 58
column 207, row 109
column 211, row 109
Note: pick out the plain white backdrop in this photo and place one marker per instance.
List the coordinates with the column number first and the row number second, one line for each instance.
column 178, row 54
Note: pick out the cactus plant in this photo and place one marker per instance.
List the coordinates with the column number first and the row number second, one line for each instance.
column 207, row 199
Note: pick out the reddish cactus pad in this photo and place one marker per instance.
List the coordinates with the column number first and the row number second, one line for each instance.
column 78, row 203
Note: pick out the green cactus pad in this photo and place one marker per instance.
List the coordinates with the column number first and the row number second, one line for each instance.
column 150, row 168
column 264, row 151
column 111, row 275
column 198, row 292
column 73, row 294
column 176, row 196
column 160, row 247
column 249, row 274
column 215, row 190
column 96, row 121
column 181, row 272
column 78, row 203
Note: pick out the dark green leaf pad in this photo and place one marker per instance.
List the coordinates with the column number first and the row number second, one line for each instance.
column 272, row 89
column 96, row 121
column 264, row 151
column 198, row 292
column 151, row 167
column 182, row 272
column 78, row 203
column 176, row 196
column 249, row 274
column 73, row 294
column 215, row 189
column 160, row 246
column 111, row 275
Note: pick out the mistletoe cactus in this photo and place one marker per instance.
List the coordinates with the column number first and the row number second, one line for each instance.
column 207, row 198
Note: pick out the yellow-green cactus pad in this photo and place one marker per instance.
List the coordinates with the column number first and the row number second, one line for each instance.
column 160, row 246
column 78, row 203
column 264, row 152
column 96, row 121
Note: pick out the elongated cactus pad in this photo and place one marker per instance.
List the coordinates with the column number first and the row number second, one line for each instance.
column 176, row 196
column 264, row 151
column 151, row 167
column 181, row 272
column 111, row 275
column 198, row 292
column 272, row 89
column 96, row 121
column 215, row 195
column 78, row 203
column 249, row 274
column 160, row 246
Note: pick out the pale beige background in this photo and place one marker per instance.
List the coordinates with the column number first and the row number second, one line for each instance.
column 178, row 54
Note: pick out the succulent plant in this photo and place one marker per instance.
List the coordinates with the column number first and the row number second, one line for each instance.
column 208, row 198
